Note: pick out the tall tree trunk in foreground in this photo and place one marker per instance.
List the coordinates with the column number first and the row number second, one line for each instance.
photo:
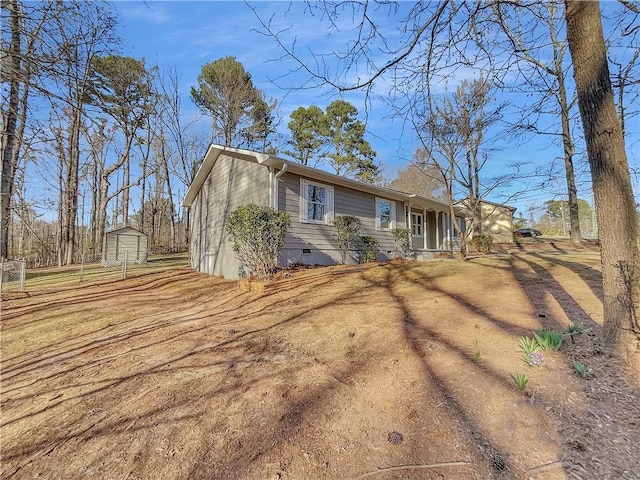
column 613, row 193
column 10, row 125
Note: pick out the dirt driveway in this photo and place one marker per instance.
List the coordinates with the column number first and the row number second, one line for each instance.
column 382, row 372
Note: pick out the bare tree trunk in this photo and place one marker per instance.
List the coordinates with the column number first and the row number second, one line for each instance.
column 567, row 143
column 93, row 239
column 103, row 199
column 125, row 192
column 613, row 193
column 10, row 122
column 519, row 42
column 472, row 198
column 172, row 209
column 143, row 194
column 103, row 196
column 60, row 243
column 71, row 191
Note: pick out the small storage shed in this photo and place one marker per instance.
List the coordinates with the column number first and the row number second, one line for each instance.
column 124, row 243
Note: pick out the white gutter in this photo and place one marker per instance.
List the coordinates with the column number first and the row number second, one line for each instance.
column 274, row 190
column 284, row 169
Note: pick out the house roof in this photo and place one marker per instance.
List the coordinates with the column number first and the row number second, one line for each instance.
column 464, row 202
column 215, row 151
column 126, row 228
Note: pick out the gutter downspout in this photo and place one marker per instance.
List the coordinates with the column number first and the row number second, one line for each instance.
column 274, row 193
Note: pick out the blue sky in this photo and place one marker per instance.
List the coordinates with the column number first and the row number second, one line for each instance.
column 189, row 34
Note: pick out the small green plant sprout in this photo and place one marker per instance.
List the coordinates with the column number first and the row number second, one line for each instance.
column 548, row 339
column 521, row 380
column 579, row 368
column 574, row 330
column 529, row 345
column 476, row 357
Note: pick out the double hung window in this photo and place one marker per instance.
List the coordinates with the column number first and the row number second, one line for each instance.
column 416, row 224
column 385, row 214
column 316, row 202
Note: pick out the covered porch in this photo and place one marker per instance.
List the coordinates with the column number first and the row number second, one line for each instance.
column 432, row 227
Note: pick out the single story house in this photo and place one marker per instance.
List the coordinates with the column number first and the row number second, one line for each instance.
column 125, row 243
column 230, row 178
column 496, row 219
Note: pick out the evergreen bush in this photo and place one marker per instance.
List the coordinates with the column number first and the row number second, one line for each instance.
column 258, row 232
column 367, row 249
column 347, row 229
column 402, row 239
column 482, row 243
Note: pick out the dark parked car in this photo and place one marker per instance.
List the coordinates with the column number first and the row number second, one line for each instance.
column 527, row 232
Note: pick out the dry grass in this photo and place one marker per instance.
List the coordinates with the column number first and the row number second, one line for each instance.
column 173, row 374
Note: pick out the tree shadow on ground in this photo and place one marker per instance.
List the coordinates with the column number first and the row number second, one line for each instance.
column 421, row 336
column 538, row 283
column 223, row 344
column 592, row 277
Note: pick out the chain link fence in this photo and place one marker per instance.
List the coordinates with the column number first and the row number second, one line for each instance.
column 89, row 268
column 13, row 275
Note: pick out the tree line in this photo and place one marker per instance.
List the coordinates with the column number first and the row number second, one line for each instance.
column 108, row 138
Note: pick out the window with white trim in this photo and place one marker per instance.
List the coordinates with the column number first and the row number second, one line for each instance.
column 416, row 224
column 385, row 214
column 316, row 202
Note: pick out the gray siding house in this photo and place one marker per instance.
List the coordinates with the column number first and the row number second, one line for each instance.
column 230, row 178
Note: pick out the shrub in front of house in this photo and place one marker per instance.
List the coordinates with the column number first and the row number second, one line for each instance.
column 258, row 232
column 367, row 248
column 347, row 230
column 482, row 243
column 402, row 240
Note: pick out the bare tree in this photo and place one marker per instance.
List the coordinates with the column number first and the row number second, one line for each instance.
column 544, row 75
column 615, row 205
column 188, row 148
column 419, row 178
column 84, row 33
column 10, row 123
column 454, row 133
column 51, row 46
column 123, row 90
column 23, row 61
column 623, row 53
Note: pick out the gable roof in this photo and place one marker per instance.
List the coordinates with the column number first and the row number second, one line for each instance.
column 126, row 228
column 464, row 202
column 214, row 151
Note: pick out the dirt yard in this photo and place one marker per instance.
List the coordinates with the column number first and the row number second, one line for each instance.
column 396, row 371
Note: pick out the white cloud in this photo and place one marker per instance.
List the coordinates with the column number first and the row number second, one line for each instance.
column 152, row 12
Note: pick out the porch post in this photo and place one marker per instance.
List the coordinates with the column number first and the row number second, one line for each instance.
column 424, row 228
column 437, row 230
column 444, row 229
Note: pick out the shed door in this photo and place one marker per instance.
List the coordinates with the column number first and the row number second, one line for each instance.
column 127, row 242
